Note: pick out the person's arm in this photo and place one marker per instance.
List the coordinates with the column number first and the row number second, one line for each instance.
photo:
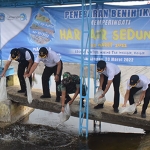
column 107, row 87
column 29, row 66
column 75, row 95
column 58, row 71
column 101, row 81
column 63, row 100
column 141, row 97
column 6, row 67
column 34, row 66
column 29, row 59
column 126, row 97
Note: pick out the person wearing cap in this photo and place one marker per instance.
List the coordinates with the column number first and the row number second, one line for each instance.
column 70, row 84
column 109, row 73
column 26, row 59
column 53, row 65
column 134, row 84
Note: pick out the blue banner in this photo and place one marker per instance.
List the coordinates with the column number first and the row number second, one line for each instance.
column 119, row 34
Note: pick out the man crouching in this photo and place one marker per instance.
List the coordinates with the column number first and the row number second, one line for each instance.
column 69, row 85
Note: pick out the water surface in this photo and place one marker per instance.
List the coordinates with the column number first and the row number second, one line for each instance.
column 39, row 131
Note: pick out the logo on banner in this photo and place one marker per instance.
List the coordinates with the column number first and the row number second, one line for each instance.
column 21, row 17
column 42, row 28
column 2, row 17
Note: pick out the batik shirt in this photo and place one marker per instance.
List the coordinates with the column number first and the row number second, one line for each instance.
column 71, row 86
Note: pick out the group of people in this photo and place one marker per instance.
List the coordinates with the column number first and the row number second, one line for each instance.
column 53, row 65
column 108, row 72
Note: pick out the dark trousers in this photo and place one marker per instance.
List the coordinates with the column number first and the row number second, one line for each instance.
column 48, row 71
column 146, row 99
column 20, row 73
column 116, row 85
column 73, row 90
column 68, row 98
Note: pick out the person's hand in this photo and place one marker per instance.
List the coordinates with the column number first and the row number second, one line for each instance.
column 56, row 78
column 124, row 105
column 2, row 75
column 62, row 109
column 27, row 75
column 100, row 97
column 99, row 88
column 33, row 78
column 70, row 102
column 137, row 104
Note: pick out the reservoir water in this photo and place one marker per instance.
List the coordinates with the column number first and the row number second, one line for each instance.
column 39, row 131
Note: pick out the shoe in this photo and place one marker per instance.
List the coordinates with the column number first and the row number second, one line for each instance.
column 21, row 91
column 135, row 112
column 57, row 99
column 143, row 115
column 99, row 106
column 44, row 96
column 116, row 110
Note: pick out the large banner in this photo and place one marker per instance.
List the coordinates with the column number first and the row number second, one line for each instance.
column 119, row 34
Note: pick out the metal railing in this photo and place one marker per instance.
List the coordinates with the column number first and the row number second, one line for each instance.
column 85, row 64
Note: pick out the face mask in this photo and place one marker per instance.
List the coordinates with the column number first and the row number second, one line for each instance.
column 15, row 58
column 133, row 85
column 43, row 56
column 100, row 70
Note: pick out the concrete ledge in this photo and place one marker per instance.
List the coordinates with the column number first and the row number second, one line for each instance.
column 106, row 114
column 11, row 112
column 5, row 111
column 15, row 114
